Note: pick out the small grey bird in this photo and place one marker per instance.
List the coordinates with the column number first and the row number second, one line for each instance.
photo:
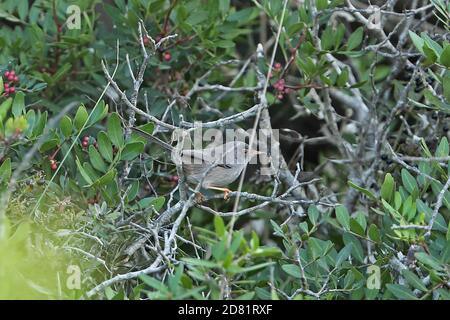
column 214, row 167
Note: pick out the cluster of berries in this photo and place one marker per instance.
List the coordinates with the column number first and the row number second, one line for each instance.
column 280, row 84
column 86, row 141
column 280, row 88
column 11, row 78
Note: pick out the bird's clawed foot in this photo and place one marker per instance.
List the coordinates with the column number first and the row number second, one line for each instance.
column 226, row 192
column 199, row 198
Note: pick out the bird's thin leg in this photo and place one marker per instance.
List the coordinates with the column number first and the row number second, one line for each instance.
column 225, row 191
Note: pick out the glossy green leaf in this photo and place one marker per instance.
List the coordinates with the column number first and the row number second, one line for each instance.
column 401, row 292
column 97, row 160
column 292, row 270
column 374, row 233
column 357, row 249
column 368, row 193
column 4, row 108
column 409, row 182
column 66, row 126
column 343, row 217
column 5, row 170
column 115, row 132
column 132, row 150
column 355, row 39
column 445, row 56
column 80, row 117
column 344, row 254
column 104, row 146
column 388, row 188
column 418, row 41
column 413, row 280
column 18, row 106
column 219, row 226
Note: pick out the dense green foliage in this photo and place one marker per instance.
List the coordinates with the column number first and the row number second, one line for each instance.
column 78, row 188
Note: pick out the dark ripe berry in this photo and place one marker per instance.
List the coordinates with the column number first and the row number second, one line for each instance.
column 54, row 166
column 384, row 157
column 167, row 56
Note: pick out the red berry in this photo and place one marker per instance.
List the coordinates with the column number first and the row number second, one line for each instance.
column 279, row 85
column 85, row 144
column 11, row 90
column 12, row 73
column 6, row 85
column 158, row 39
column 145, row 40
column 11, row 77
column 167, row 56
column 86, row 138
column 174, row 178
column 277, row 66
column 16, row 78
column 6, row 74
column 54, row 166
column 280, row 96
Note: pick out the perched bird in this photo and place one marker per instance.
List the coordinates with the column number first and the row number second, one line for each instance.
column 215, row 167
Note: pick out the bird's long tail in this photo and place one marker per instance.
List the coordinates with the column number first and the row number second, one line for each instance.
column 154, row 139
